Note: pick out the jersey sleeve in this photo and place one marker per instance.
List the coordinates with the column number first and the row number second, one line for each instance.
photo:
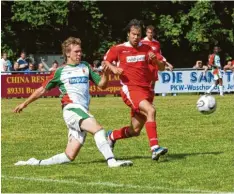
column 53, row 80
column 111, row 55
column 158, row 56
column 94, row 77
column 160, row 51
column 156, row 47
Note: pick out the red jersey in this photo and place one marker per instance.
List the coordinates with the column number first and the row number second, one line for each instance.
column 156, row 47
column 154, row 44
column 134, row 62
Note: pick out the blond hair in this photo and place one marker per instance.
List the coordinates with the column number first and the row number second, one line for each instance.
column 66, row 45
column 150, row 27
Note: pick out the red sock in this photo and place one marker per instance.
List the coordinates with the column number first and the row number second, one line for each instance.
column 120, row 133
column 151, row 129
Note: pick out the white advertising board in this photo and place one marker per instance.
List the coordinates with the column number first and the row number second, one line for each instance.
column 191, row 81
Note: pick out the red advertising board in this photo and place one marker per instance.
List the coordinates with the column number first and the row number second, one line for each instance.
column 20, row 85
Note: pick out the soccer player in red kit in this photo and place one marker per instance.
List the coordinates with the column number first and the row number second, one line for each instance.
column 156, row 47
column 133, row 59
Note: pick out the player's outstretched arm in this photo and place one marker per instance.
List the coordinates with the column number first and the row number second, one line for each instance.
column 104, row 80
column 34, row 96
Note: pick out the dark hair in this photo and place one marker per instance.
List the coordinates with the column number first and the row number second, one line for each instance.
column 55, row 61
column 133, row 22
column 97, row 63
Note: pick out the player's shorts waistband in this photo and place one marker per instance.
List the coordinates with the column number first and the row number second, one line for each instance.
column 72, row 105
column 137, row 88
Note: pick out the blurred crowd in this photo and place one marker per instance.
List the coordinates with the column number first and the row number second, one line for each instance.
column 199, row 65
column 26, row 66
column 29, row 67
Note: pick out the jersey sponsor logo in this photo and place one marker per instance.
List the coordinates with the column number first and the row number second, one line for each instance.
column 133, row 59
column 78, row 80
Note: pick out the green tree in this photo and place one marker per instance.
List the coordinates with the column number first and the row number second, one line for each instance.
column 33, row 25
column 188, row 29
column 200, row 26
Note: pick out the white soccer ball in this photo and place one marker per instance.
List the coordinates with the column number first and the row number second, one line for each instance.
column 206, row 104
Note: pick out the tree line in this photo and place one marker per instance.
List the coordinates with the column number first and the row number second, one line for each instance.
column 187, row 31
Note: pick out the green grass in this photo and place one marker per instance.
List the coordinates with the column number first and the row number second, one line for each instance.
column 200, row 146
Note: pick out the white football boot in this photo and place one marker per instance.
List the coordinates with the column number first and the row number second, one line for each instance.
column 120, row 163
column 30, row 162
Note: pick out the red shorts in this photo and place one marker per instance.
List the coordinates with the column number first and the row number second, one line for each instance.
column 133, row 97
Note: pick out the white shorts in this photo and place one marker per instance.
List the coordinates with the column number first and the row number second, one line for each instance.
column 73, row 114
column 217, row 74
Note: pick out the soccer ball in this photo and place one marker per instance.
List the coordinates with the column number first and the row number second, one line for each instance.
column 206, row 104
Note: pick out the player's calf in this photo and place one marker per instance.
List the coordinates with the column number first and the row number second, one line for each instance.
column 110, row 141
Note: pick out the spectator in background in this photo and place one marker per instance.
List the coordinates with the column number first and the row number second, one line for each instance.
column 15, row 67
column 41, row 67
column 229, row 66
column 54, row 66
column 97, row 66
column 63, row 64
column 30, row 69
column 23, row 65
column 198, row 65
column 4, row 62
column 9, row 65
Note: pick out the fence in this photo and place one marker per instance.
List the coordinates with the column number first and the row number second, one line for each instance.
column 178, row 81
column 190, row 80
column 23, row 85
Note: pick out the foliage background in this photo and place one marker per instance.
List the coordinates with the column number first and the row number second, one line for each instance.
column 187, row 30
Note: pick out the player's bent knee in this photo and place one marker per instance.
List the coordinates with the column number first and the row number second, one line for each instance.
column 151, row 111
column 135, row 132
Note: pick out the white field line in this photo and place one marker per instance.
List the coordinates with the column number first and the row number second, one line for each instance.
column 107, row 184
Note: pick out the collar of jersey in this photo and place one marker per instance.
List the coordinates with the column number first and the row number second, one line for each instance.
column 129, row 45
column 75, row 65
column 153, row 40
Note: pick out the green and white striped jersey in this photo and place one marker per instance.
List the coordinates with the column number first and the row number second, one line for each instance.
column 73, row 83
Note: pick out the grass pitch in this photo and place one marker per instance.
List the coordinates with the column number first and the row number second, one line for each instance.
column 200, row 157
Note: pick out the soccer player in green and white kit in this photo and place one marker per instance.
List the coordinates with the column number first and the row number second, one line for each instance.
column 73, row 82
column 214, row 63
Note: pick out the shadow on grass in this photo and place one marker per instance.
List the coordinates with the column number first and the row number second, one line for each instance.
column 167, row 158
column 181, row 156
